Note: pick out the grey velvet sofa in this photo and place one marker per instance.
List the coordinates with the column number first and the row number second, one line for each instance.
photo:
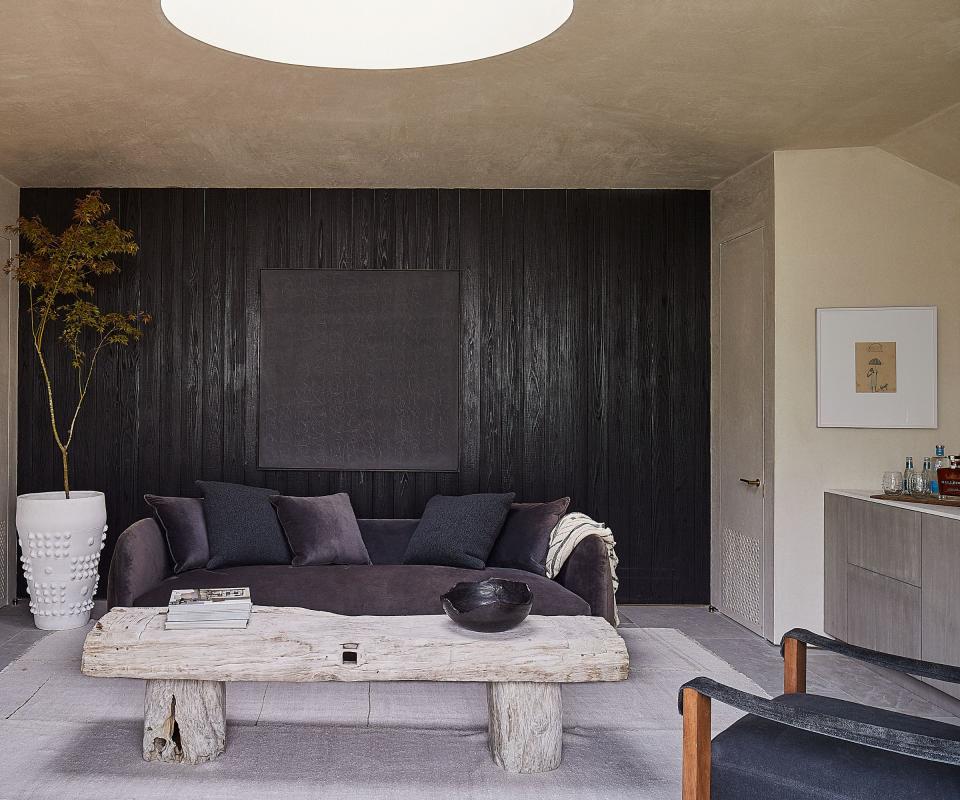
column 141, row 574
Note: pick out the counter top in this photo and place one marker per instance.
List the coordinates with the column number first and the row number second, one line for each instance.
column 863, row 494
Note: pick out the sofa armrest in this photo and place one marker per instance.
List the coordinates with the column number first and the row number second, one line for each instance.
column 587, row 574
column 140, row 561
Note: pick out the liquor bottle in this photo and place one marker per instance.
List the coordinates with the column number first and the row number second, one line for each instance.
column 908, row 472
column 939, row 461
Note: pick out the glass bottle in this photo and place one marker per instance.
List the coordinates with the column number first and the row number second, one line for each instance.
column 908, row 473
column 939, row 461
column 929, row 476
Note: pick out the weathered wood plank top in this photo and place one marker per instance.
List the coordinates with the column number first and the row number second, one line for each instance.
column 294, row 644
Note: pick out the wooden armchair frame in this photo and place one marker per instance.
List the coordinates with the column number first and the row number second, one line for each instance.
column 696, row 695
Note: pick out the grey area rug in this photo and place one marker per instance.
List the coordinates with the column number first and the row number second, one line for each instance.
column 66, row 736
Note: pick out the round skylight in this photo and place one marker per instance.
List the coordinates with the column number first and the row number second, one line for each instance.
column 368, row 34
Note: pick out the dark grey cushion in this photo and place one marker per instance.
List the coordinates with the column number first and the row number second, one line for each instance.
column 181, row 520
column 458, row 531
column 386, row 540
column 757, row 758
column 321, row 530
column 525, row 539
column 242, row 525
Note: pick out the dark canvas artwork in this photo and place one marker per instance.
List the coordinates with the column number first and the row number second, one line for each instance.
column 359, row 370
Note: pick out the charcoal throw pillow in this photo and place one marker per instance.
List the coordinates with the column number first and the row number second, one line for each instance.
column 321, row 530
column 525, row 539
column 458, row 531
column 181, row 520
column 242, row 526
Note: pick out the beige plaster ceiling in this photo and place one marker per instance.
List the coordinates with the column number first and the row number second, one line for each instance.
column 933, row 144
column 628, row 93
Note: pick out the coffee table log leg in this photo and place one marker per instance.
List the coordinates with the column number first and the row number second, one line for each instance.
column 184, row 721
column 526, row 725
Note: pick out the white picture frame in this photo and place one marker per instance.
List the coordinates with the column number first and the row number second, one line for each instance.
column 912, row 400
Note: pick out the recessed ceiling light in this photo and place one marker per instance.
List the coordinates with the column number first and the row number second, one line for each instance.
column 368, row 34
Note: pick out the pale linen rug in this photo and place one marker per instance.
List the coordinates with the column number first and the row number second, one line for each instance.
column 64, row 736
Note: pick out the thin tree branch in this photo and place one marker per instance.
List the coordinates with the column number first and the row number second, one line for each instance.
column 86, row 383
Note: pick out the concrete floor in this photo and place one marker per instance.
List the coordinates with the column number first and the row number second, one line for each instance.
column 746, row 652
column 827, row 673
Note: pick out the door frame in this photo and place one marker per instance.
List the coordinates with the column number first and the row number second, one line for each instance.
column 767, row 477
column 10, row 293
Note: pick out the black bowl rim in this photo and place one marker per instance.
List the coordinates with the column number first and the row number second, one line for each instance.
column 493, row 600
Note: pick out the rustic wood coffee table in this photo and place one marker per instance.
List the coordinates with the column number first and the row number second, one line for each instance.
column 186, row 670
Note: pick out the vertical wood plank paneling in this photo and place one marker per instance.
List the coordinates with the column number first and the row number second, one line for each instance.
column 584, row 325
column 491, row 261
column 509, row 325
column 471, row 332
column 381, row 257
column 234, row 311
column 597, row 344
column 319, row 257
column 577, row 360
column 426, row 484
column 191, row 343
column 535, row 342
column 362, row 484
column 295, row 248
column 150, row 291
column 447, row 234
column 168, row 331
column 212, row 282
column 126, row 361
column 257, row 220
column 621, row 376
column 559, row 373
column 404, row 236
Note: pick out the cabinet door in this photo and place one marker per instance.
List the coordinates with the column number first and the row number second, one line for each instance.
column 884, row 539
column 836, row 529
column 941, row 594
column 882, row 613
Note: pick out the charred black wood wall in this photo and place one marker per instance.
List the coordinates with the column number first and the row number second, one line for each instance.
column 585, row 354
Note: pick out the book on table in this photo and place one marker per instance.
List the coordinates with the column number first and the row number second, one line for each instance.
column 208, row 608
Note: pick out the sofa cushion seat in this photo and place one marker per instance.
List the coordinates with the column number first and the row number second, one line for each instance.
column 378, row 590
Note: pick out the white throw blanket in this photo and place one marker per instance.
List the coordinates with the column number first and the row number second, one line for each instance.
column 570, row 531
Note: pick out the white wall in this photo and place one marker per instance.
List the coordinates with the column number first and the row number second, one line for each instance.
column 855, row 227
column 9, row 209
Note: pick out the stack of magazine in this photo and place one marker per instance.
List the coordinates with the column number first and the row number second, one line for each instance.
column 208, row 608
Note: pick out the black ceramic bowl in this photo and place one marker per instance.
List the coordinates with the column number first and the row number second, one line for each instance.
column 489, row 606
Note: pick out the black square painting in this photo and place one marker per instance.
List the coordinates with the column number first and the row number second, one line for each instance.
column 359, row 370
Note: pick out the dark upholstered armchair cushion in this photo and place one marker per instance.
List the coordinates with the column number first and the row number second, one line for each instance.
column 458, row 531
column 181, row 520
column 321, row 530
column 242, row 525
column 525, row 538
column 757, row 758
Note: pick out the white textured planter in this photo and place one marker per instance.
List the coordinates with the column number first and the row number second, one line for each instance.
column 61, row 541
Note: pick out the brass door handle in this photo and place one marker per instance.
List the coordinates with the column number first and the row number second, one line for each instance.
column 755, row 482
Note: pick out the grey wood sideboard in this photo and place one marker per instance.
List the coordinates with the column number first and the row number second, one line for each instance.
column 892, row 577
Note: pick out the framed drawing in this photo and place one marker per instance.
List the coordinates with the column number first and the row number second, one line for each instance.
column 877, row 367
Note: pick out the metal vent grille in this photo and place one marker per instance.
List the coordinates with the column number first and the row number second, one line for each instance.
column 4, row 549
column 740, row 575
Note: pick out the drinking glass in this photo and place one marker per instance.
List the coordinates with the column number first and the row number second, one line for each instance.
column 892, row 482
column 918, row 485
